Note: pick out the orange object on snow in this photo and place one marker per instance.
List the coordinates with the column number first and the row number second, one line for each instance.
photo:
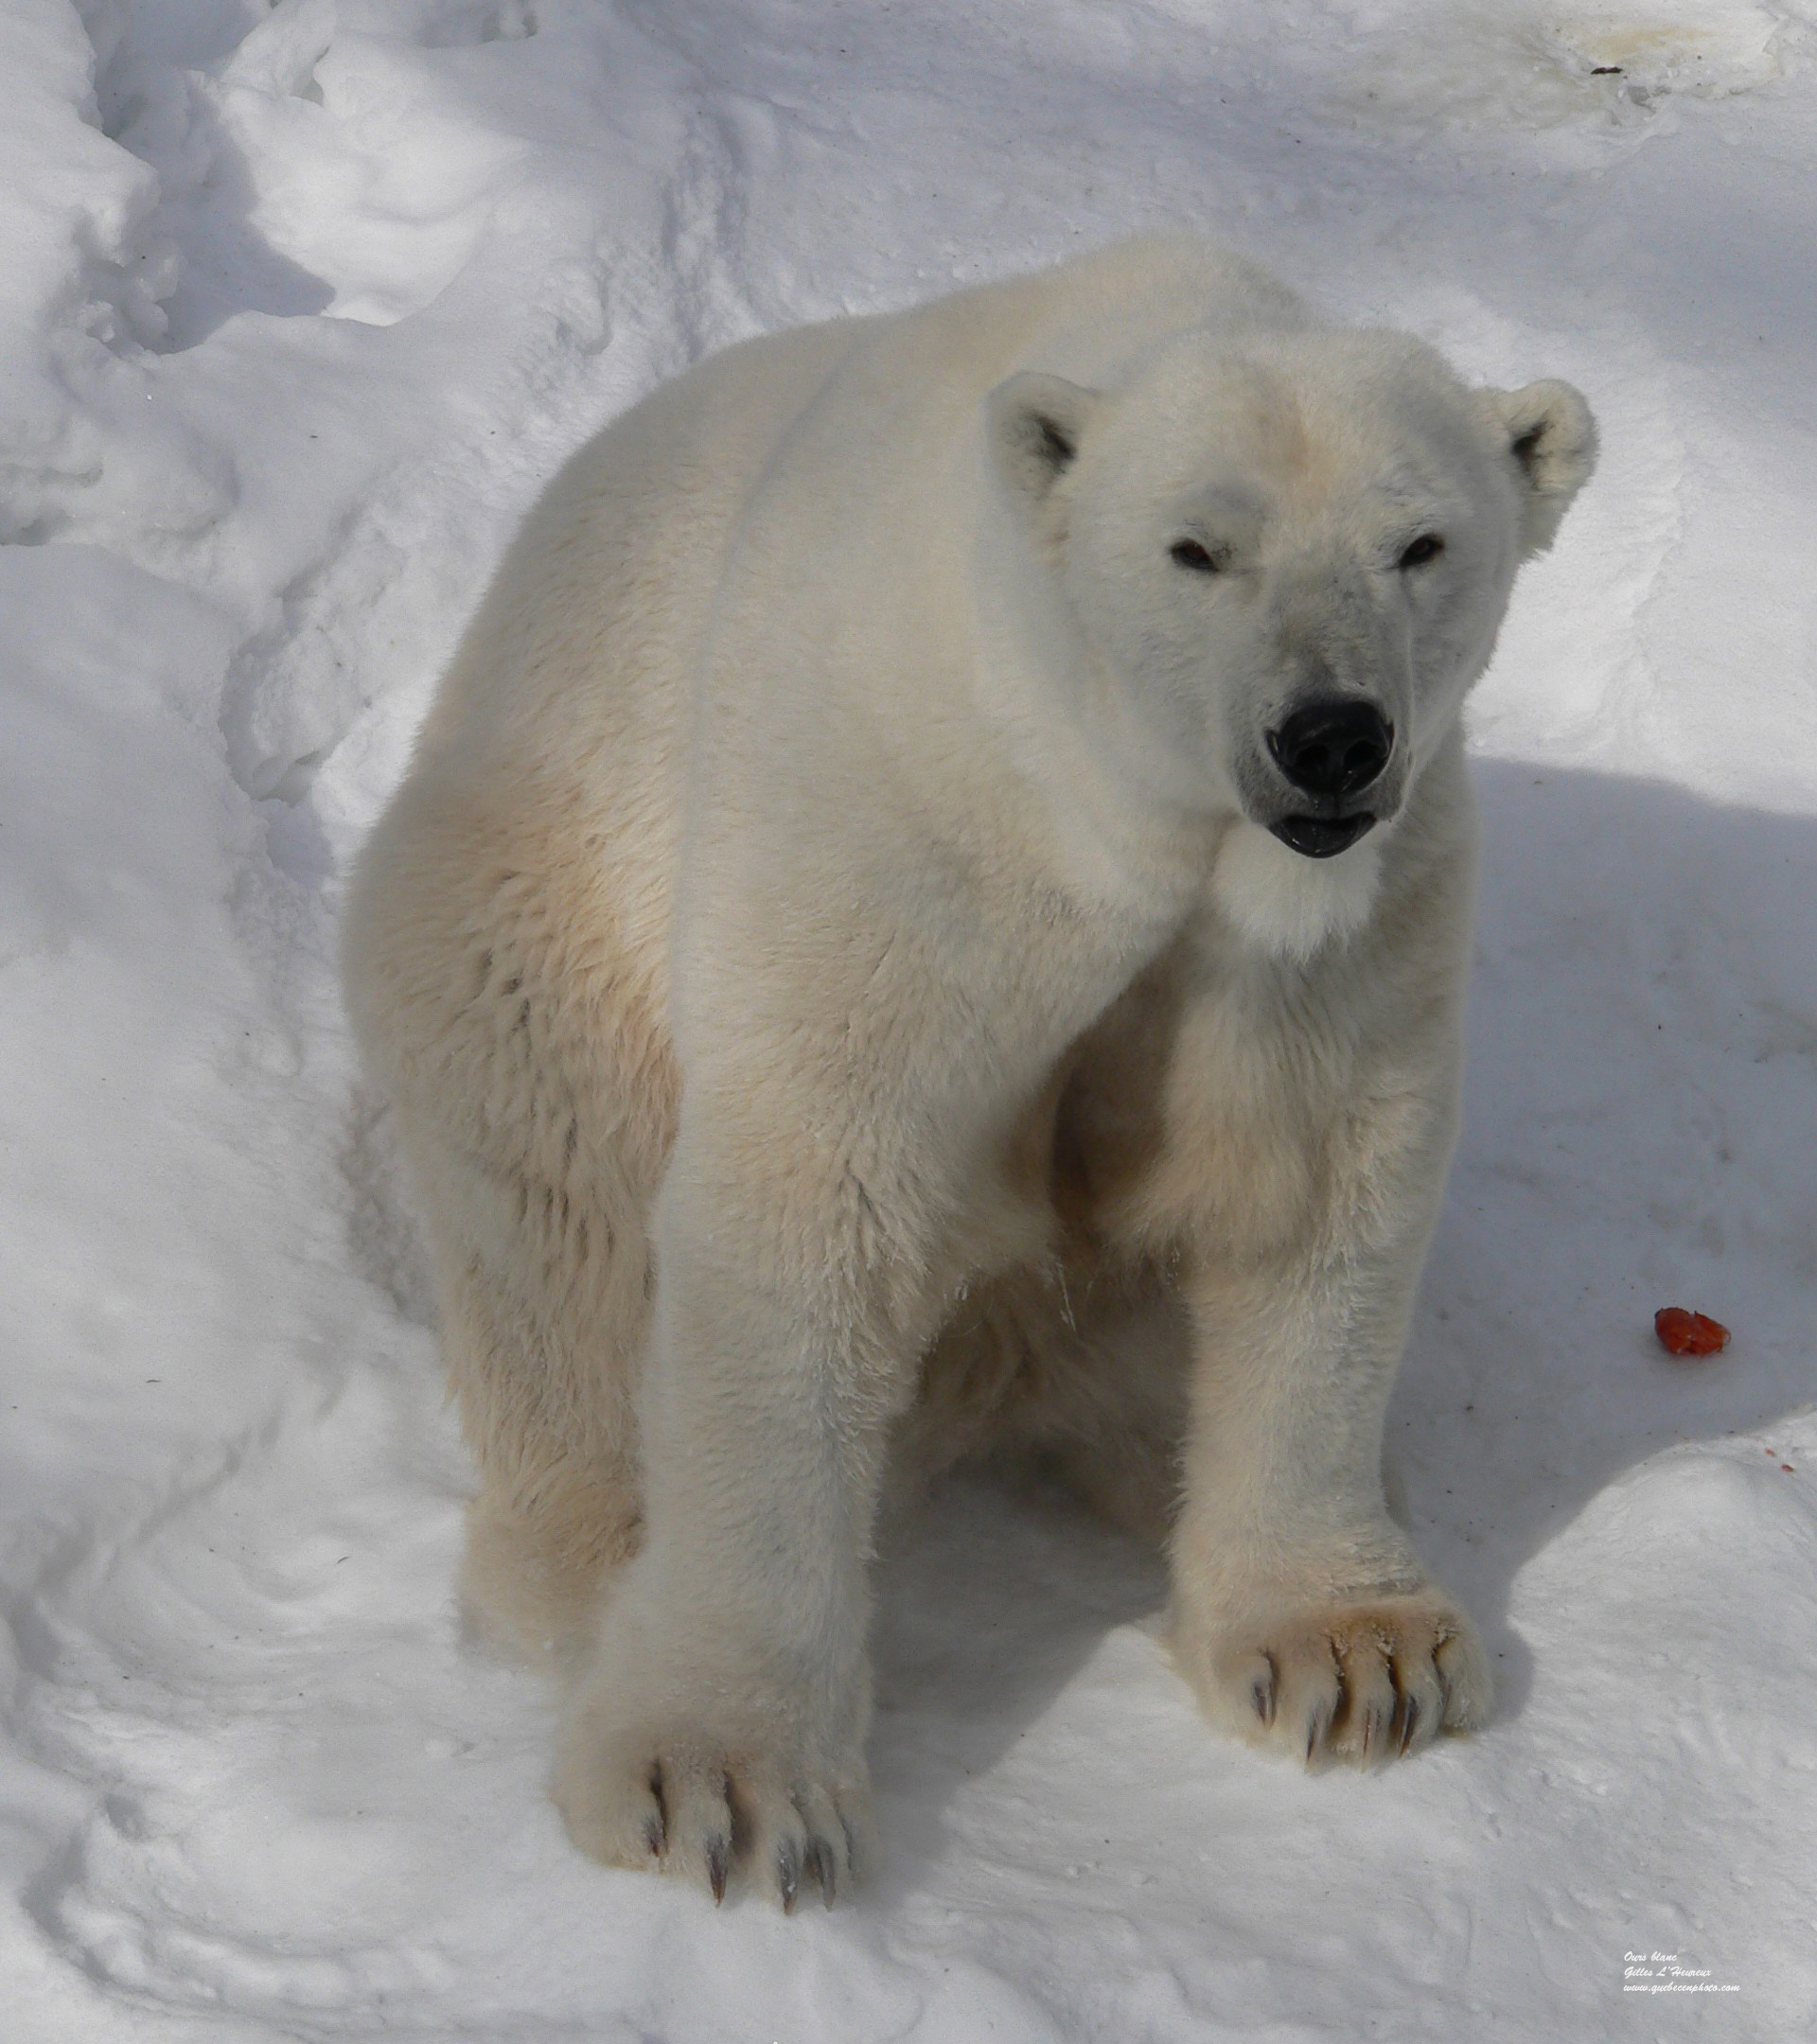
column 1690, row 1333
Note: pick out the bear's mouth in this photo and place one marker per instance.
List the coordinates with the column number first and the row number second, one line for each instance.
column 1322, row 836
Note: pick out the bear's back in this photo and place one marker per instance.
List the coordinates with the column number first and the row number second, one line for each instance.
column 593, row 625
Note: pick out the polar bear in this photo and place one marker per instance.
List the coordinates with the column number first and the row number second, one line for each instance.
column 928, row 919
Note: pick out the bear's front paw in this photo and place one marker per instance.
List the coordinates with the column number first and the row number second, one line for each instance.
column 715, row 1788
column 1360, row 1680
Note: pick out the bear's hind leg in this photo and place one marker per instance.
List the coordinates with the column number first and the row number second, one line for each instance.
column 532, row 1578
column 1081, row 1380
column 1111, row 1413
column 543, row 1373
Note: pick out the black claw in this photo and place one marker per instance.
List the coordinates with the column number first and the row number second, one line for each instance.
column 788, row 1871
column 821, row 1867
column 851, row 1843
column 656, row 1825
column 1410, row 1723
column 718, row 1859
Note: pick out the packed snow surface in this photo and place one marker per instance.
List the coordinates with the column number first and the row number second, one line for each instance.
column 300, row 303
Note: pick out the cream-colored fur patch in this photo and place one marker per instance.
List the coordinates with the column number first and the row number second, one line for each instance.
column 1288, row 905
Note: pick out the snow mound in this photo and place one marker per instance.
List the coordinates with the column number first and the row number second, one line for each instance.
column 1606, row 69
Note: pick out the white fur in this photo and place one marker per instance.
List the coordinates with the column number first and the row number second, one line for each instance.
column 845, row 1012
column 1287, row 906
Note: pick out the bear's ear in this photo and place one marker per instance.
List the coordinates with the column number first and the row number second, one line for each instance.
column 1551, row 439
column 1035, row 423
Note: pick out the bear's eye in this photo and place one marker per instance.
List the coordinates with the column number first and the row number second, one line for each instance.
column 1190, row 554
column 1427, row 547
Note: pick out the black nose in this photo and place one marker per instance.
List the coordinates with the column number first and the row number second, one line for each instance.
column 1332, row 748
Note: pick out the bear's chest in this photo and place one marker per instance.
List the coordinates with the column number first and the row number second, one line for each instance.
column 1206, row 1113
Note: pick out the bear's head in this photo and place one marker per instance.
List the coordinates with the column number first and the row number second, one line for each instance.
column 1289, row 557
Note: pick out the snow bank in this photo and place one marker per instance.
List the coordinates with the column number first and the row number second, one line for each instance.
column 299, row 305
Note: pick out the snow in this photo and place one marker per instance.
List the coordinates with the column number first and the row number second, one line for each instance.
column 299, row 305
